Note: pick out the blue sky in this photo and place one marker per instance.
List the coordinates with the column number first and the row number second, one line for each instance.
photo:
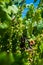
column 29, row 2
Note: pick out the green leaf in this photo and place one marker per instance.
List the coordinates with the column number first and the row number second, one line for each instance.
column 4, row 0
column 12, row 9
column 3, row 26
column 41, row 47
column 11, row 57
column 2, row 56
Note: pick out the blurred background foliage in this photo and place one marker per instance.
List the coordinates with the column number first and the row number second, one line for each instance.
column 21, row 39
